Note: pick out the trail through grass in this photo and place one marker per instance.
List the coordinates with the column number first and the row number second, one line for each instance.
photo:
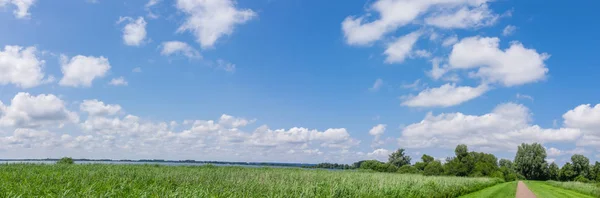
column 544, row 190
column 209, row 181
column 504, row 190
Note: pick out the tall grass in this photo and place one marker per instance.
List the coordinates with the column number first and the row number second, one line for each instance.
column 95, row 180
column 585, row 188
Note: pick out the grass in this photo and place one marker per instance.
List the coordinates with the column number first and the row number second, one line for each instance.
column 543, row 189
column 504, row 190
column 36, row 180
column 585, row 188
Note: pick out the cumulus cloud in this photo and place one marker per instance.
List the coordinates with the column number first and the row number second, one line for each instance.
column 29, row 111
column 516, row 65
column 22, row 7
column 21, row 66
column 98, row 108
column 393, row 14
column 134, row 32
column 178, row 47
column 509, row 30
column 444, row 96
column 465, row 17
column 379, row 154
column 120, row 81
column 400, row 49
column 377, row 131
column 80, row 70
column 210, row 20
column 451, row 40
column 504, row 128
column 587, row 118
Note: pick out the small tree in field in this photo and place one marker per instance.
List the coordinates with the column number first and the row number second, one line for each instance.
column 65, row 160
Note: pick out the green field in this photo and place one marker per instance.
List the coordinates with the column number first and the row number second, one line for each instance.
column 543, row 189
column 504, row 190
column 29, row 180
column 585, row 188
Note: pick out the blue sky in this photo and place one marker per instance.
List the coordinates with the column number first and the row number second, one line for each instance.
column 296, row 81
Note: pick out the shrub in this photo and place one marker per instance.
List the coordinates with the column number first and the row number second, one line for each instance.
column 65, row 160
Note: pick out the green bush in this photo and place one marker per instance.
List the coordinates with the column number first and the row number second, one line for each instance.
column 65, row 160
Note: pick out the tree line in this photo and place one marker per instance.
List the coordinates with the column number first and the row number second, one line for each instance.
column 529, row 163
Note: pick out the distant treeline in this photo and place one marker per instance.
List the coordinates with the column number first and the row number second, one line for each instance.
column 529, row 163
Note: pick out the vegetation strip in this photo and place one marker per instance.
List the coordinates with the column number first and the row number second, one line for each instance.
column 97, row 180
column 543, row 190
column 504, row 190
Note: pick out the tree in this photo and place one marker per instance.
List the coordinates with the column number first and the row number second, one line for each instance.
column 553, row 172
column 407, row 170
column 433, row 168
column 427, row 159
column 530, row 161
column 567, row 173
column 506, row 163
column 581, row 165
column 595, row 172
column 65, row 161
column 485, row 164
column 399, row 158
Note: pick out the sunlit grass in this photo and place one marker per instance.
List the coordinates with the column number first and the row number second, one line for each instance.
column 585, row 188
column 31, row 180
column 543, row 189
column 504, row 190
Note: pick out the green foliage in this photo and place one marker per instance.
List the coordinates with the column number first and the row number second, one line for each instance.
column 408, row 170
column 97, row 180
column 474, row 164
column 378, row 166
column 65, row 161
column 427, row 159
column 332, row 166
column 581, row 165
column 399, row 158
column 595, row 172
column 567, row 173
column 530, row 161
column 581, row 178
column 506, row 163
column 433, row 168
column 508, row 174
column 420, row 165
column 553, row 172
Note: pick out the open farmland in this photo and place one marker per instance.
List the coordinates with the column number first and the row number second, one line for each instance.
column 94, row 180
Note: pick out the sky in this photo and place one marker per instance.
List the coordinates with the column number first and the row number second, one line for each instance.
column 297, row 80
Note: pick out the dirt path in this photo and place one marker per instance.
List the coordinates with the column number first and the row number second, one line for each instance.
column 523, row 191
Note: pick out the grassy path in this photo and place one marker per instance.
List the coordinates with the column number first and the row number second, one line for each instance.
column 504, row 190
column 541, row 189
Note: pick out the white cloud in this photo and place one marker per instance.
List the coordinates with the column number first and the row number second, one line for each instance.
column 377, row 130
column 587, row 118
column 28, row 111
column 379, row 154
column 178, row 47
column 120, row 81
column 553, row 152
column 509, row 30
column 416, row 85
column 80, row 70
column 22, row 7
column 504, row 128
column 98, row 108
column 233, row 122
column 422, row 53
column 134, row 33
column 209, row 20
column 398, row 50
column 377, row 85
column 137, row 70
column 21, row 66
column 516, row 65
column 225, row 66
column 523, row 96
column 394, row 14
column 465, row 17
column 152, row 3
column 437, row 71
column 450, row 41
column 444, row 96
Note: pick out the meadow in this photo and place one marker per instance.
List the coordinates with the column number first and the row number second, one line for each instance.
column 101, row 180
column 585, row 188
